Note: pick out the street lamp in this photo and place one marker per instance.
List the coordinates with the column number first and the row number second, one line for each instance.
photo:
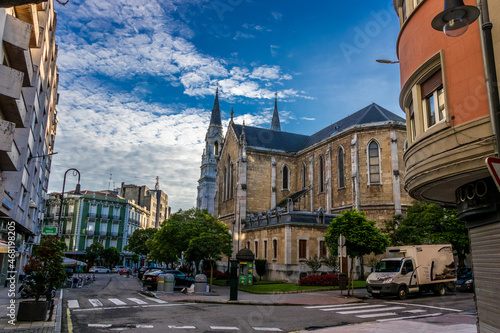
column 385, row 61
column 77, row 192
column 454, row 21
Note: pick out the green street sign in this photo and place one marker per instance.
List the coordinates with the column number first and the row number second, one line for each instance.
column 49, row 230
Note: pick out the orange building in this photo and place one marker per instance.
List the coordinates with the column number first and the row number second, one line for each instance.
column 450, row 124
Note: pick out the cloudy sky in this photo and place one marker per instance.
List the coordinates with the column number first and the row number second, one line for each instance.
column 137, row 79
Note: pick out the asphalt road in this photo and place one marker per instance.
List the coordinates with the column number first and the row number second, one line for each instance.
column 113, row 303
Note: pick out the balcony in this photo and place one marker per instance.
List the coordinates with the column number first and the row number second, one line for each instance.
column 89, row 232
column 92, row 215
column 103, row 232
column 9, row 154
column 11, row 98
column 17, row 47
column 114, row 233
column 29, row 14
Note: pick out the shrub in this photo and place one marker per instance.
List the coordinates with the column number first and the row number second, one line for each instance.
column 320, row 280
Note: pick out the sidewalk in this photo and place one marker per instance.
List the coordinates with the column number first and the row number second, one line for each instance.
column 9, row 325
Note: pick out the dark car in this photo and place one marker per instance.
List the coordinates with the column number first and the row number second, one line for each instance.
column 141, row 271
column 465, row 280
column 150, row 280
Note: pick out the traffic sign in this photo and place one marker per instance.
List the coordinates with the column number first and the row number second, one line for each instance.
column 49, row 231
column 493, row 165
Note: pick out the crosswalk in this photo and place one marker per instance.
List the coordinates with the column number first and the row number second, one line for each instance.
column 379, row 312
column 185, row 327
column 100, row 303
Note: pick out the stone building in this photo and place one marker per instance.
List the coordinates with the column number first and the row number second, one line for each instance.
column 278, row 191
column 28, row 120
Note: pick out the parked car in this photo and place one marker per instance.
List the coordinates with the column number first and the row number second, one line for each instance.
column 465, row 280
column 141, row 271
column 150, row 280
column 99, row 269
column 117, row 269
column 125, row 270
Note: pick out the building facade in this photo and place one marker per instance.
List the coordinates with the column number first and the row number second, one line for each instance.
column 154, row 201
column 28, row 120
column 278, row 191
column 450, row 112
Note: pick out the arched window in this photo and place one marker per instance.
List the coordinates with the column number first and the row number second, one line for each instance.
column 224, row 185
column 374, row 163
column 285, row 176
column 231, row 180
column 303, row 175
column 216, row 148
column 340, row 166
column 321, row 176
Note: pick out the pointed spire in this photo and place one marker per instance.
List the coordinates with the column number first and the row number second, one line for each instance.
column 275, row 123
column 216, row 119
column 232, row 113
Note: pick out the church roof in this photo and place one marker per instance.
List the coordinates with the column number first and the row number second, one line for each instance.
column 289, row 142
column 215, row 118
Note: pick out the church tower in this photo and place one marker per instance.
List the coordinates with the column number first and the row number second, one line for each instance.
column 213, row 145
column 275, row 123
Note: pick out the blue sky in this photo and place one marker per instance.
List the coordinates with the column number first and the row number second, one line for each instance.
column 137, row 79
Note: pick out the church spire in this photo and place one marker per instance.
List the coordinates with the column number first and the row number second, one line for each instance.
column 216, row 119
column 275, row 123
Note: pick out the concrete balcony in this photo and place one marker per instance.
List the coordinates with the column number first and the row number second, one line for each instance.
column 16, row 40
column 29, row 14
column 11, row 99
column 9, row 154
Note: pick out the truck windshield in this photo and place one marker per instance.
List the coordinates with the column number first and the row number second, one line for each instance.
column 388, row 266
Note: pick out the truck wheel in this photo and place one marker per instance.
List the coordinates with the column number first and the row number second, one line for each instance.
column 440, row 290
column 402, row 293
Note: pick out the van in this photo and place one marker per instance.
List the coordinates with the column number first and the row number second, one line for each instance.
column 413, row 269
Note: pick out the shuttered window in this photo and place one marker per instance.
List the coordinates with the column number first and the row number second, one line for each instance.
column 302, row 249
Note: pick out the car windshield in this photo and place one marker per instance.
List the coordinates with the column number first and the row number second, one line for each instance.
column 464, row 272
column 388, row 266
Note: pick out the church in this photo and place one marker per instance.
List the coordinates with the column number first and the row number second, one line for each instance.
column 278, row 191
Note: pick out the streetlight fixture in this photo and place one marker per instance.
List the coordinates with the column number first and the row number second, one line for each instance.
column 454, row 20
column 77, row 192
column 385, row 61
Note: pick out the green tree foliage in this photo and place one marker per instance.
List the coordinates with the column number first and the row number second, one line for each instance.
column 45, row 267
column 361, row 235
column 260, row 267
column 93, row 252
column 137, row 241
column 111, row 256
column 314, row 263
column 428, row 223
column 331, row 262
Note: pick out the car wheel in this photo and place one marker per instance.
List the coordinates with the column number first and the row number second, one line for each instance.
column 402, row 293
column 376, row 295
column 440, row 290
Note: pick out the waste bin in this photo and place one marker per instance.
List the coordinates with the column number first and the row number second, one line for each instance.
column 200, row 283
column 342, row 281
column 169, row 283
column 161, row 283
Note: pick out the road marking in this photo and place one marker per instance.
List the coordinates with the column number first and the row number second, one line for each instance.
column 267, row 329
column 124, row 307
column 182, row 327
column 226, row 328
column 144, row 326
column 117, row 301
column 411, row 317
column 372, row 310
column 415, row 311
column 355, row 307
column 100, row 325
column 136, row 300
column 373, row 315
column 95, row 302
column 425, row 306
column 333, row 306
column 73, row 303
column 157, row 300
column 68, row 321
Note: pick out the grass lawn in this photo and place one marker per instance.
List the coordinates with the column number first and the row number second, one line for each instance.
column 277, row 287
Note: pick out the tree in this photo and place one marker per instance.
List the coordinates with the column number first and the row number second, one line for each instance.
column 330, row 262
column 428, row 223
column 111, row 256
column 361, row 235
column 314, row 263
column 93, row 252
column 260, row 267
column 137, row 241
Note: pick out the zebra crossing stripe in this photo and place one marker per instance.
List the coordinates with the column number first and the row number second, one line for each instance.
column 100, row 325
column 355, row 307
column 182, row 327
column 136, row 300
column 73, row 304
column 372, row 310
column 225, row 328
column 157, row 300
column 267, row 329
column 95, row 302
column 411, row 317
column 117, row 301
column 334, row 305
column 374, row 315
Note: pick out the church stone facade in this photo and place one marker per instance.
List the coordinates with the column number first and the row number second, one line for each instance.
column 278, row 191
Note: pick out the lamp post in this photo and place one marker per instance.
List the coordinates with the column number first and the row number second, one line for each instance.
column 454, row 21
column 77, row 192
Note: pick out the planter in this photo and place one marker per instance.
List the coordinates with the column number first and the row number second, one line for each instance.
column 32, row 311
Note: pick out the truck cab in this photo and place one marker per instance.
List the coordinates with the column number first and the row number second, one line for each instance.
column 393, row 276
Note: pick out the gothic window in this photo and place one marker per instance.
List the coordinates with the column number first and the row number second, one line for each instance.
column 256, row 249
column 285, row 178
column 303, row 175
column 264, row 255
column 231, row 180
column 321, row 171
column 216, row 148
column 340, row 166
column 374, row 163
column 224, row 185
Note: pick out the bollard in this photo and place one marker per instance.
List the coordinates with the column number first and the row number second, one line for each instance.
column 169, row 283
column 200, row 283
column 160, row 286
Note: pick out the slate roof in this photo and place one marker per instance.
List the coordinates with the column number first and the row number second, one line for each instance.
column 289, row 142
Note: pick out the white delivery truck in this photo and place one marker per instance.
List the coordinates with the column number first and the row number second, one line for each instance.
column 413, row 269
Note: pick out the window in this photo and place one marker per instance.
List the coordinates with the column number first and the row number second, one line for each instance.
column 321, row 171
column 408, row 265
column 302, row 249
column 256, row 249
column 228, row 179
column 248, row 245
column 264, row 255
column 433, row 100
column 411, row 115
column 90, row 228
column 374, row 163
column 285, row 175
column 403, row 5
column 216, row 148
column 303, row 175
column 113, row 243
column 275, row 249
column 323, row 253
column 341, row 168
